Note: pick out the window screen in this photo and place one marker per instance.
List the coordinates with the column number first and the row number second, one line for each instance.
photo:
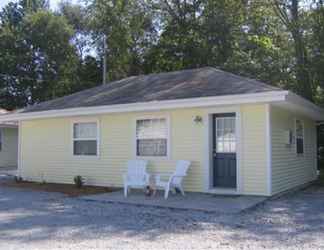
column 299, row 137
column 85, row 138
column 151, row 137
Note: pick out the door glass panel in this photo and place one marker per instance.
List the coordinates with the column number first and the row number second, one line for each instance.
column 227, row 147
column 225, row 135
column 233, row 125
column 220, row 123
column 233, row 146
column 228, row 123
column 220, row 146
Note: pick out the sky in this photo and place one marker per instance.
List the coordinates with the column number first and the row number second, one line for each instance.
column 53, row 3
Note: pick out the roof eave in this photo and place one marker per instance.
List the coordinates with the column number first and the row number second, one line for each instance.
column 264, row 97
column 303, row 106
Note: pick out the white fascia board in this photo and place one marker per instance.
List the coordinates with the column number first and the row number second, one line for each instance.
column 265, row 97
column 305, row 107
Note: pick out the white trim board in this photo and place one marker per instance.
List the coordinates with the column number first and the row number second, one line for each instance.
column 285, row 99
column 271, row 96
column 208, row 151
column 19, row 160
column 269, row 148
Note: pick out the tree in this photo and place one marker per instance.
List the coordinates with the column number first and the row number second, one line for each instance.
column 262, row 48
column 37, row 61
column 46, row 54
column 129, row 30
column 316, row 45
column 76, row 16
column 179, row 42
column 195, row 33
column 89, row 67
column 291, row 16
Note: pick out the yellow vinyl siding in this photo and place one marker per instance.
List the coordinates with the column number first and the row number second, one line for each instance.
column 8, row 154
column 50, row 156
column 254, row 159
column 289, row 169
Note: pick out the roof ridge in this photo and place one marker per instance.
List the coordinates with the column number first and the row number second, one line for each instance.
column 246, row 78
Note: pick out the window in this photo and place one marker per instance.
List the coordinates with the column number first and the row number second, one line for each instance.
column 225, row 135
column 299, row 137
column 85, row 138
column 0, row 139
column 152, row 137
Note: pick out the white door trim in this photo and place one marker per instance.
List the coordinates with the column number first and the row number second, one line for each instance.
column 19, row 152
column 208, row 160
column 269, row 148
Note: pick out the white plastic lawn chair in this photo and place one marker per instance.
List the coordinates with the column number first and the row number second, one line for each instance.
column 175, row 180
column 136, row 176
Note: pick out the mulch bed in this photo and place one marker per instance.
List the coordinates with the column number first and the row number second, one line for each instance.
column 67, row 189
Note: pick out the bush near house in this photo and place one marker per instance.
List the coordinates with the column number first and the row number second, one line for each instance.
column 78, row 181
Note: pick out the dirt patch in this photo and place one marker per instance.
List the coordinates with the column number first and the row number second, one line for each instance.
column 67, row 189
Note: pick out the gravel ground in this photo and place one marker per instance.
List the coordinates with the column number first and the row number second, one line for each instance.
column 36, row 220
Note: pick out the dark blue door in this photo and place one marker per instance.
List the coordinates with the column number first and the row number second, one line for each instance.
column 224, row 150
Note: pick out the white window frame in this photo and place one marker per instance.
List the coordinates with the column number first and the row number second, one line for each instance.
column 150, row 117
column 303, row 125
column 77, row 121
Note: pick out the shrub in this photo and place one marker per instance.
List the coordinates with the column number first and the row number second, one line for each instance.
column 78, row 181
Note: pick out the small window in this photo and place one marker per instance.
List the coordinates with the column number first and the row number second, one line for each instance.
column 0, row 139
column 299, row 137
column 85, row 138
column 151, row 137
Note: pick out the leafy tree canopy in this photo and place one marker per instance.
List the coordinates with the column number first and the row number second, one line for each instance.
column 46, row 54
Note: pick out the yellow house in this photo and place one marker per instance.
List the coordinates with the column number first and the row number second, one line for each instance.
column 241, row 135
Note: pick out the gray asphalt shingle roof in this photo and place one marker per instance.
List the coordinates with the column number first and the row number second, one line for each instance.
column 202, row 82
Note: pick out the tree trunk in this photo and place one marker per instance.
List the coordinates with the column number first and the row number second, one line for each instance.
column 302, row 74
column 288, row 12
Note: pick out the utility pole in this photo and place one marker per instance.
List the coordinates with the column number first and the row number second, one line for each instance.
column 104, row 66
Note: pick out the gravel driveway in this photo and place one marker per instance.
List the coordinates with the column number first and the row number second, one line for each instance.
column 35, row 220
